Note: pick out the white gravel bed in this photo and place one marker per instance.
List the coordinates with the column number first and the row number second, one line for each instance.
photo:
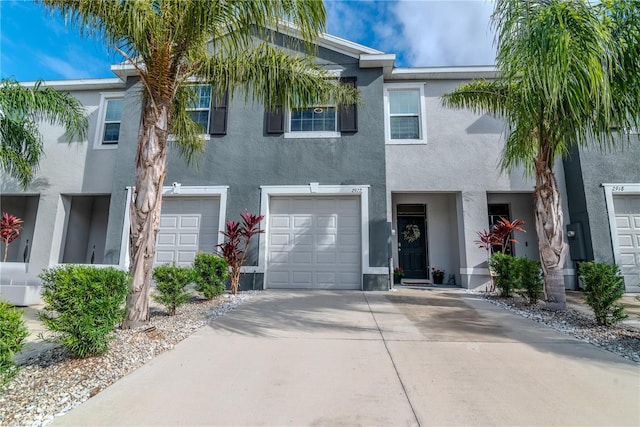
column 621, row 339
column 51, row 383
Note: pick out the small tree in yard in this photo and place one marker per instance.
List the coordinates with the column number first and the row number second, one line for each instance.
column 171, row 282
column 234, row 249
column 603, row 287
column 10, row 227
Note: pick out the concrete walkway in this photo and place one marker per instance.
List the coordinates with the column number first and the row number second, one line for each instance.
column 409, row 357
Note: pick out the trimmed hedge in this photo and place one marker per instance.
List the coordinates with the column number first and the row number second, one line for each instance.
column 84, row 304
column 13, row 331
column 210, row 273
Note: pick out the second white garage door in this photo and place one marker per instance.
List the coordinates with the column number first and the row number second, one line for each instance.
column 627, row 210
column 314, row 243
column 187, row 225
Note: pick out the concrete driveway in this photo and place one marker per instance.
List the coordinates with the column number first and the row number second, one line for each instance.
column 411, row 357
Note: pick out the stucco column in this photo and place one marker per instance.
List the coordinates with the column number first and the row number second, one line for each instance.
column 472, row 212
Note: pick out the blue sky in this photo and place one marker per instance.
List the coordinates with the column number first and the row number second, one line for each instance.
column 422, row 33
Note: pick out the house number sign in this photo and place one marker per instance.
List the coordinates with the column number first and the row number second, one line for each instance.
column 617, row 188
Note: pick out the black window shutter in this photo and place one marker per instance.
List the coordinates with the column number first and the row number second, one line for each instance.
column 275, row 120
column 349, row 113
column 218, row 113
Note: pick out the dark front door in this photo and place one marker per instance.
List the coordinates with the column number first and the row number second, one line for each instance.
column 412, row 248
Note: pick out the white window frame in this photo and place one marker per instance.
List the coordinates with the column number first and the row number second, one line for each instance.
column 206, row 131
column 105, row 97
column 289, row 134
column 396, row 87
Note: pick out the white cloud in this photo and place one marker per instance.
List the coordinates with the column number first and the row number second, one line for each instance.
column 446, row 32
column 419, row 32
column 62, row 67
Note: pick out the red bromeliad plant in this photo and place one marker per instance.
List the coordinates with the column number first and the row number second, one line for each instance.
column 501, row 234
column 10, row 226
column 234, row 249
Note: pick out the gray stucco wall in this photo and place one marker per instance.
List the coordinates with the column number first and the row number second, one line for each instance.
column 587, row 169
column 247, row 158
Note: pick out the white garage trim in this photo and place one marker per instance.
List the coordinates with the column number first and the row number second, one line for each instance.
column 609, row 191
column 314, row 188
column 174, row 191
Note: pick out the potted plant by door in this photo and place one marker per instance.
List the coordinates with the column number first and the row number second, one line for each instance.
column 398, row 272
column 437, row 275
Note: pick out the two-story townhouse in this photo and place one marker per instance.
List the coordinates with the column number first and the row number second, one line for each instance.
column 348, row 192
column 603, row 188
column 444, row 183
column 316, row 174
column 65, row 208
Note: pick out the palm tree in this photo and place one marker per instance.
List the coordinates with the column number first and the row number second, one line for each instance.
column 568, row 74
column 21, row 108
column 171, row 43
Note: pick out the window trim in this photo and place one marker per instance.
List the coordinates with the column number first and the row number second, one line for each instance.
column 394, row 87
column 105, row 97
column 289, row 134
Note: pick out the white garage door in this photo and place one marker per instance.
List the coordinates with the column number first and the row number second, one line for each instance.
column 187, row 224
column 627, row 210
column 314, row 242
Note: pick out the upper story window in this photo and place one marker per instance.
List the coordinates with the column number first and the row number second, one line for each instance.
column 314, row 121
column 209, row 109
column 318, row 121
column 110, row 116
column 200, row 107
column 404, row 108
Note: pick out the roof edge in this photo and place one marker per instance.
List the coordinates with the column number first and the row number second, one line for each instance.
column 80, row 84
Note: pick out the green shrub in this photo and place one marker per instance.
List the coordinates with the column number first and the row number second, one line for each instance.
column 529, row 278
column 84, row 304
column 603, row 287
column 12, row 334
column 504, row 268
column 170, row 284
column 210, row 272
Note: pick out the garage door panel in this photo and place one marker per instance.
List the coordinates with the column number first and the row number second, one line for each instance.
column 163, row 257
column 625, row 241
column 302, row 240
column 277, row 258
column 280, row 240
column 348, row 258
column 319, row 230
column 280, row 222
column 326, row 278
column 280, row 278
column 326, row 258
column 303, row 278
column 168, row 222
column 302, row 222
column 188, row 239
column 304, row 258
column 327, row 222
column 166, row 239
column 628, row 260
column 323, row 240
column 623, row 223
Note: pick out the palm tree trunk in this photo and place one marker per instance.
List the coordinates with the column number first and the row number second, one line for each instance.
column 549, row 227
column 145, row 208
